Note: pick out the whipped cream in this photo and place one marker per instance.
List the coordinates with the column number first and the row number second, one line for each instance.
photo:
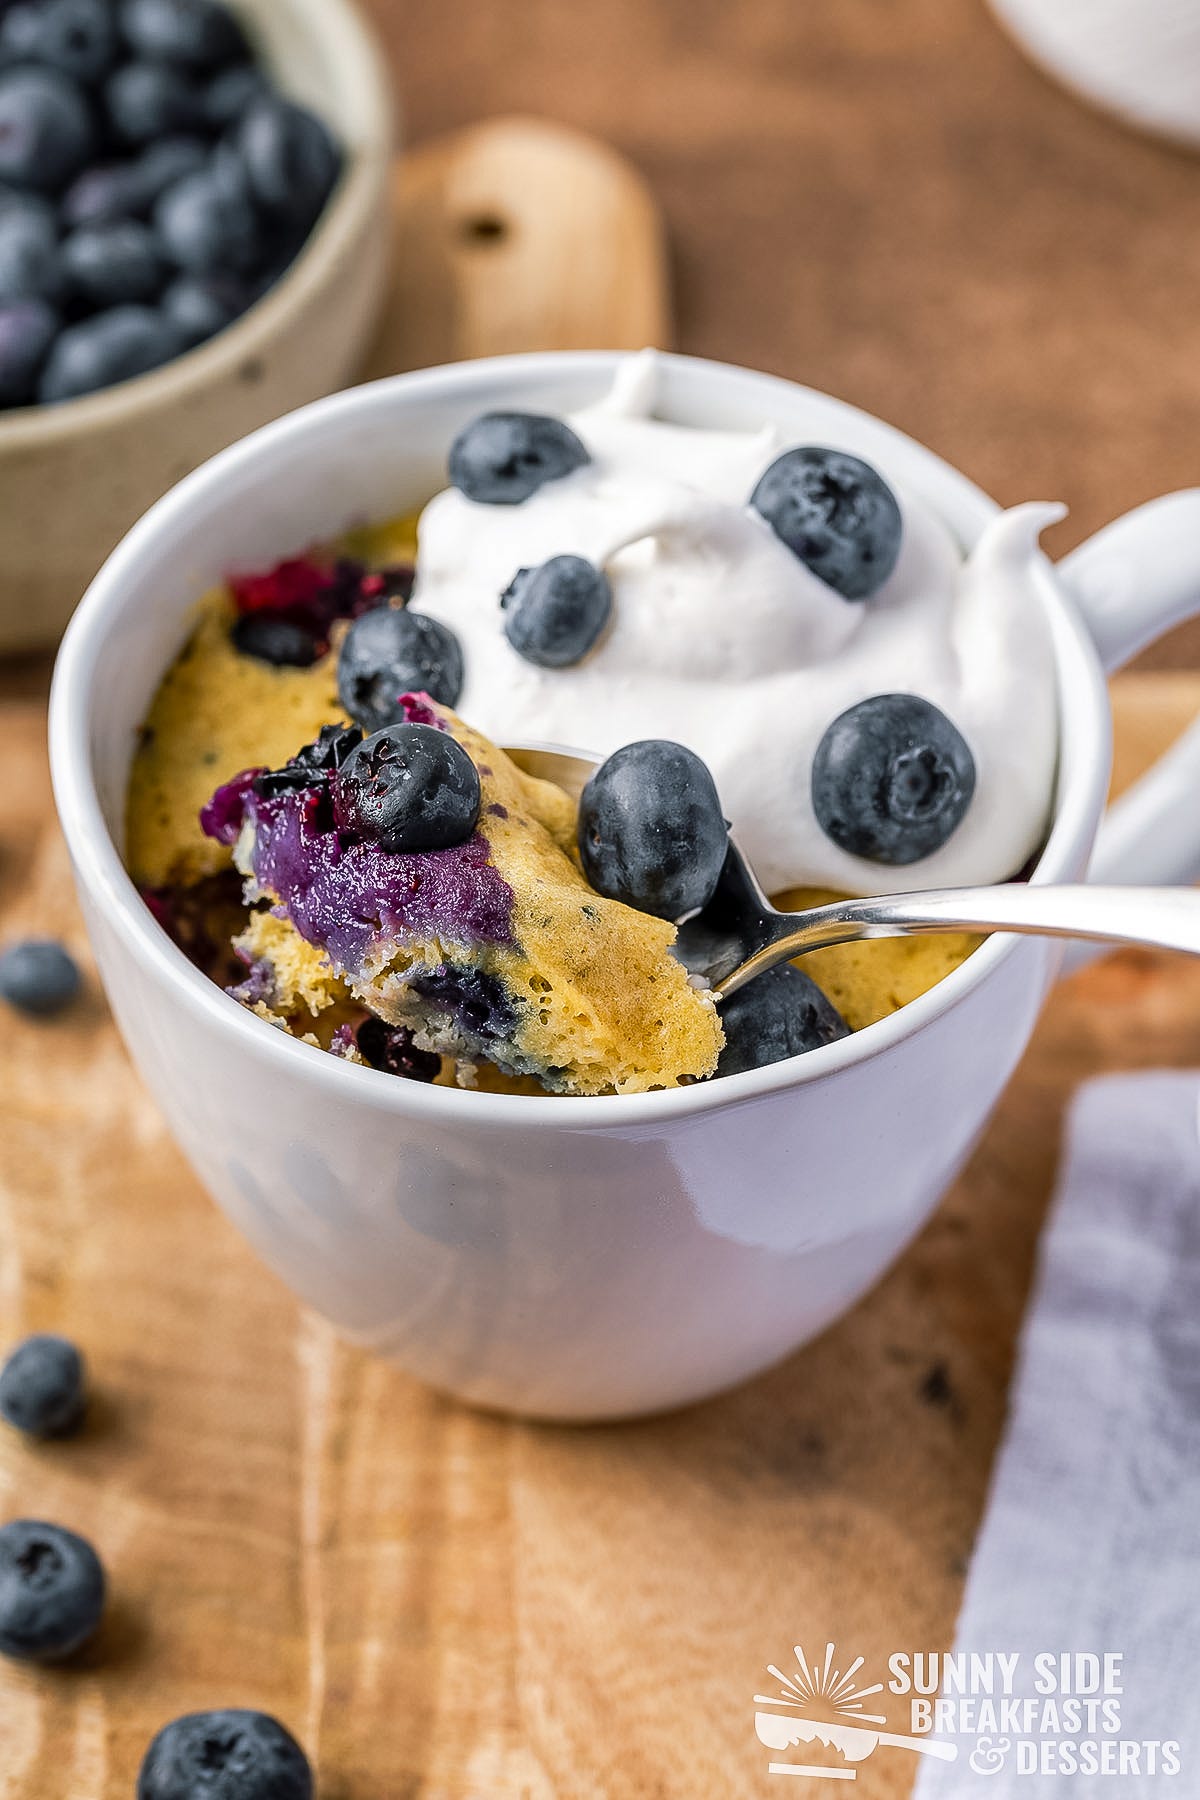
column 723, row 640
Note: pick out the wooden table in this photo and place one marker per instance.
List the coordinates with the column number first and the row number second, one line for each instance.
column 880, row 197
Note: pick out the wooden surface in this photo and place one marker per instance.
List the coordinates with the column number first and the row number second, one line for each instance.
column 442, row 1604
column 880, row 197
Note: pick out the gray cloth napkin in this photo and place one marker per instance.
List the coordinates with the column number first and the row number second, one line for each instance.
column 1091, row 1538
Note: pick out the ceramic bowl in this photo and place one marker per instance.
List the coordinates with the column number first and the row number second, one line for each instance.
column 74, row 477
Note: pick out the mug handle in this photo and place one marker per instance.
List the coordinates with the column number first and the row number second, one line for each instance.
column 1132, row 582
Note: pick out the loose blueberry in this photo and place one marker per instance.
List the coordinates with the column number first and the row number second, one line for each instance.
column 30, row 264
column 76, row 37
column 38, row 977
column 502, row 458
column 555, row 613
column 42, row 1387
column 230, row 93
column 150, row 100
column 651, row 831
column 198, row 308
column 408, row 787
column 275, row 640
column 291, row 160
column 836, row 514
column 197, row 34
column 892, row 779
column 392, row 651
column 207, row 226
column 780, row 1014
column 110, row 265
column 391, row 1048
column 228, row 1755
column 51, row 1591
column 46, row 133
column 27, row 330
column 112, row 346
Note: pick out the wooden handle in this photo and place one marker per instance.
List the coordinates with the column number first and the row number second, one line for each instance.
column 521, row 235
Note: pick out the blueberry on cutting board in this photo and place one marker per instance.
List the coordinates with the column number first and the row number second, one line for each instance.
column 38, row 977
column 227, row 1755
column 51, row 1591
column 42, row 1387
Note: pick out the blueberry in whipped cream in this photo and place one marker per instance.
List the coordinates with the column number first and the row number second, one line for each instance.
column 836, row 513
column 892, row 779
column 501, row 458
column 554, row 614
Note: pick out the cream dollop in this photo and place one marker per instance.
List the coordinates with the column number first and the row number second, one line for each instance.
column 722, row 639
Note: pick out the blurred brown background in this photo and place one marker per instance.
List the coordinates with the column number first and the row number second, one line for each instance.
column 882, row 198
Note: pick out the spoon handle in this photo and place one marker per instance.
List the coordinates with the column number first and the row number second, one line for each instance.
column 1162, row 917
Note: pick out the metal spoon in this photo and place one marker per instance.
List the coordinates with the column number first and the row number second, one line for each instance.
column 739, row 934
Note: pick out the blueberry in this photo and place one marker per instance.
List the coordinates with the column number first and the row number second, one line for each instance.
column 38, row 977
column 150, row 100
column 502, row 458
column 391, row 1048
column 275, row 640
column 112, row 346
column 207, row 225
column 51, row 1591
column 389, row 652
column 200, row 308
column 651, row 831
column 555, row 613
column 111, row 264
column 892, row 779
column 197, row 34
column 291, row 161
column 408, row 787
column 836, row 514
column 101, row 194
column 46, row 133
column 230, row 93
column 228, row 1755
column 30, row 264
column 41, row 1387
column 27, row 330
column 780, row 1014
column 165, row 162
column 77, row 37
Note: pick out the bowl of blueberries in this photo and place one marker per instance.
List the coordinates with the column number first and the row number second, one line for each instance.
column 194, row 238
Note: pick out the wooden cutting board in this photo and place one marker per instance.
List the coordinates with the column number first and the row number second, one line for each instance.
column 439, row 1603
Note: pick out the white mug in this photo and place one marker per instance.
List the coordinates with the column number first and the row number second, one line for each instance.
column 580, row 1258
